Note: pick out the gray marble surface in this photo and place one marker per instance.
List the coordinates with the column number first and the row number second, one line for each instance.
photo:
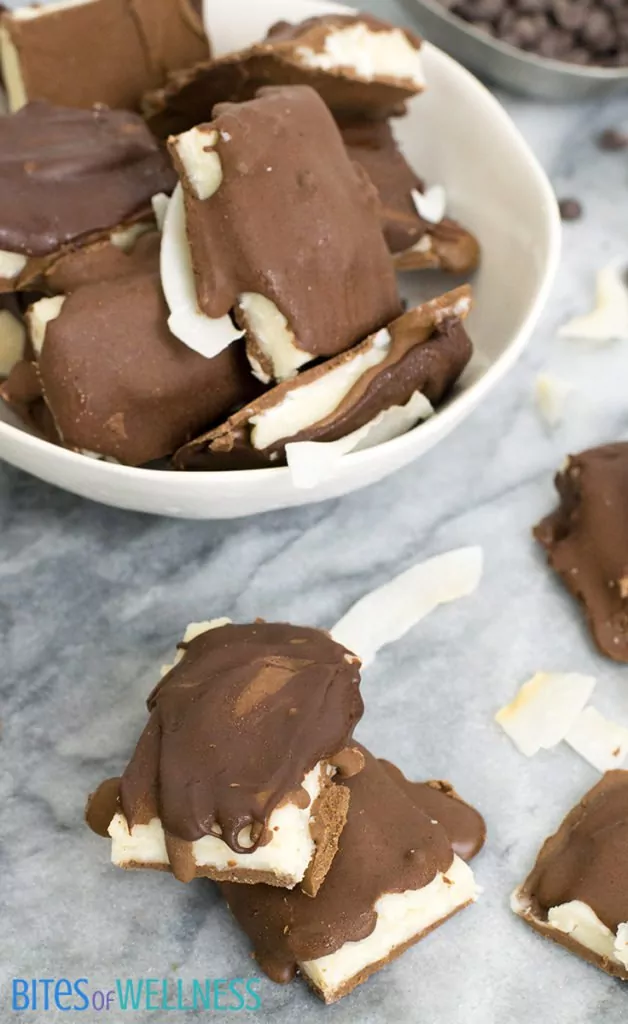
column 92, row 601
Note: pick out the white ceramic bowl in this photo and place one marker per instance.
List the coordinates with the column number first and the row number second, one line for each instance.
column 456, row 134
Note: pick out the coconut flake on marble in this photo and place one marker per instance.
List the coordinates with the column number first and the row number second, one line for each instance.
column 608, row 321
column 386, row 614
column 545, row 709
column 601, row 742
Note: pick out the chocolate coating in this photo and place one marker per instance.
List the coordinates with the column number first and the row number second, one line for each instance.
column 236, row 725
column 372, row 145
column 429, row 350
column 67, row 175
column 305, row 228
column 586, row 540
column 587, row 858
column 465, row 827
column 388, row 845
column 101, row 261
column 120, row 385
column 106, row 51
column 190, row 95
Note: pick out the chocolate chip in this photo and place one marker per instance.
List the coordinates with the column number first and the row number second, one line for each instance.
column 570, row 209
column 612, row 139
column 530, row 30
column 583, row 32
column 569, row 13
column 531, row 6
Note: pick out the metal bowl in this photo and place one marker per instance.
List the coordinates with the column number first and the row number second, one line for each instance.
column 505, row 65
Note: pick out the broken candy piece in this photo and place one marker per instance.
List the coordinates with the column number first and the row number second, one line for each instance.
column 425, row 350
column 117, row 384
column 252, row 168
column 586, row 540
column 416, row 242
column 395, row 878
column 608, row 321
column 80, row 52
column 233, row 776
column 356, row 63
column 71, row 177
column 577, row 892
column 387, row 613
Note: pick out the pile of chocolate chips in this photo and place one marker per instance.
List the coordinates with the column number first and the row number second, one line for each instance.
column 576, row 31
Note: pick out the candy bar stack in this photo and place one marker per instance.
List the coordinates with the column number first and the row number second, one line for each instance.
column 198, row 255
column 247, row 773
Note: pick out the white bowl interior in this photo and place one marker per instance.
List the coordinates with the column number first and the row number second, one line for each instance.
column 455, row 134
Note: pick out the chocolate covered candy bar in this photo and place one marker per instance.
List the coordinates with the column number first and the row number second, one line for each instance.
column 117, row 384
column 234, row 775
column 276, row 218
column 586, row 540
column 577, row 892
column 416, row 243
column 395, row 878
column 70, row 177
column 80, row 52
column 356, row 63
column 424, row 351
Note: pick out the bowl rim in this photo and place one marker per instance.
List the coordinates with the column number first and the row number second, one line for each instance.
column 444, row 417
column 532, row 60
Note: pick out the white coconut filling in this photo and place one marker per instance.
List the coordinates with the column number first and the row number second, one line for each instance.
column 39, row 315
column 369, row 55
column 272, row 333
column 125, row 238
column 201, row 163
column 424, row 244
column 195, row 329
column 287, row 854
column 11, row 265
column 12, row 341
column 11, row 71
column 308, row 404
column 430, row 205
column 311, row 462
column 578, row 920
column 400, row 918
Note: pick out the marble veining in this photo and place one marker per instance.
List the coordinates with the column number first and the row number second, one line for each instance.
column 92, row 601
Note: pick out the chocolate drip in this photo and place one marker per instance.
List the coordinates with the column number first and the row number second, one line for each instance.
column 388, row 845
column 236, row 726
column 586, row 540
column 291, row 221
column 69, row 174
column 587, row 859
column 102, row 806
column 465, row 827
